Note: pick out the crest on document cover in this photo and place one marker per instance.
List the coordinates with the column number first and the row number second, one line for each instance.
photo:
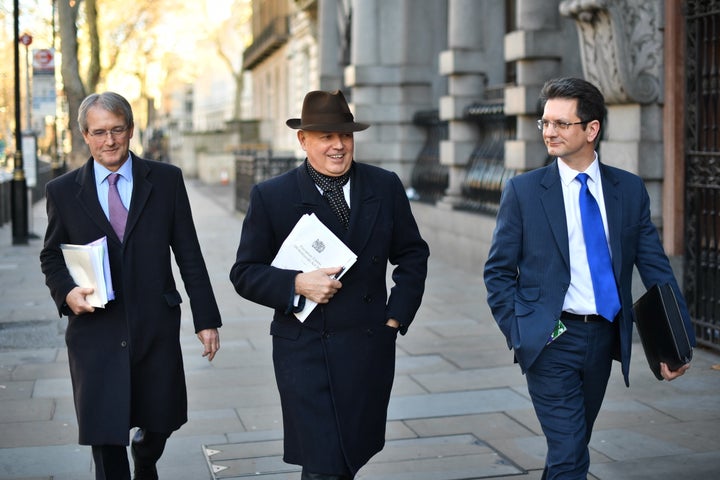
column 318, row 245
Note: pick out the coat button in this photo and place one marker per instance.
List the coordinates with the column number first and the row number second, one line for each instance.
column 326, row 335
column 123, row 344
column 375, row 259
column 367, row 299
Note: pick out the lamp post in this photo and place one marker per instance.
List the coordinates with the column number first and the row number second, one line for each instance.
column 18, row 189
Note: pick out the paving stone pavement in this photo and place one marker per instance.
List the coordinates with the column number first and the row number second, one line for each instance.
column 459, row 410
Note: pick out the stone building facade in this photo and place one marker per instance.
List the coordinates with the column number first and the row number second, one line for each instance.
column 450, row 88
column 396, row 59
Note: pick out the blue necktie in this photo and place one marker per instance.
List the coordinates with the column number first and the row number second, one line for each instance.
column 607, row 301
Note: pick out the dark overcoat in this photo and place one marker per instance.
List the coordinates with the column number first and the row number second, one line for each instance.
column 335, row 371
column 125, row 360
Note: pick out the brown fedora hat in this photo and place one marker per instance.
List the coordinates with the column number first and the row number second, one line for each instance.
column 326, row 112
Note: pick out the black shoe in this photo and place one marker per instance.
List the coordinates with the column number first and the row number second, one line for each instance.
column 146, row 448
column 305, row 475
column 145, row 473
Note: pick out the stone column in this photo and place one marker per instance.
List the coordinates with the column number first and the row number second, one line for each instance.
column 392, row 75
column 469, row 63
column 622, row 54
column 331, row 25
column 536, row 47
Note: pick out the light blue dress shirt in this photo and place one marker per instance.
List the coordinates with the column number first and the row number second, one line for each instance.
column 124, row 184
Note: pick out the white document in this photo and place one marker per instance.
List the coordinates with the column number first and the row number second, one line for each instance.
column 89, row 267
column 311, row 245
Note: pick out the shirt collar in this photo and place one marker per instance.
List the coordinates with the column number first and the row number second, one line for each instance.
column 567, row 174
column 101, row 173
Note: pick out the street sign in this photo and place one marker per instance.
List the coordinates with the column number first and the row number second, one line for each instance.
column 26, row 39
column 44, row 98
column 43, row 61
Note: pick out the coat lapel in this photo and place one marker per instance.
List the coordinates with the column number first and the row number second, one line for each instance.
column 311, row 201
column 613, row 209
column 554, row 206
column 140, row 194
column 87, row 197
column 364, row 208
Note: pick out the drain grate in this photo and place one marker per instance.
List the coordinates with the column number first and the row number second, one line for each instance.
column 247, row 459
column 450, row 457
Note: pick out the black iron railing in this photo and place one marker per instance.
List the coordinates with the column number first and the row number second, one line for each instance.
column 486, row 173
column 702, row 171
column 429, row 179
column 254, row 166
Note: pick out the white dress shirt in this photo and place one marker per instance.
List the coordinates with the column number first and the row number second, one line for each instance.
column 580, row 297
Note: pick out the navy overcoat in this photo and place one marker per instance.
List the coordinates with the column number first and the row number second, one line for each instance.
column 335, row 371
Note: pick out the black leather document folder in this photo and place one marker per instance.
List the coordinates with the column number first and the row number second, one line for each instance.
column 661, row 329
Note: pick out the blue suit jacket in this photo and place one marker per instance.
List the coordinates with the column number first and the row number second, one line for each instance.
column 527, row 273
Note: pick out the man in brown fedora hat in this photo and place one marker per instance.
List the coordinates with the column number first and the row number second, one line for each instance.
column 335, row 370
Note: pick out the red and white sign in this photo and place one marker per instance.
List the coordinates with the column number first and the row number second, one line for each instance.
column 26, row 39
column 44, row 97
column 43, row 60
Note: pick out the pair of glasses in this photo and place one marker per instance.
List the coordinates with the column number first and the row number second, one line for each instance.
column 543, row 124
column 114, row 132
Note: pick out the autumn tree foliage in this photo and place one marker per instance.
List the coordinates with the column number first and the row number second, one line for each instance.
column 99, row 37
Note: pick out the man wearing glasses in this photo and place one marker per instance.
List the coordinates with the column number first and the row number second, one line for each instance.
column 125, row 358
column 559, row 273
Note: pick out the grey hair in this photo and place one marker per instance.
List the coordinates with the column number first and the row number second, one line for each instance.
column 110, row 101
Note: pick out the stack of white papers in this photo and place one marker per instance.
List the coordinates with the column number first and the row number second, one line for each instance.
column 311, row 245
column 89, row 266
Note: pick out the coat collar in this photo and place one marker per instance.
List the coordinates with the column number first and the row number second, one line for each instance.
column 88, row 196
column 364, row 206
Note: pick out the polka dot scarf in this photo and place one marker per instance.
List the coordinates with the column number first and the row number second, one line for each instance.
column 332, row 188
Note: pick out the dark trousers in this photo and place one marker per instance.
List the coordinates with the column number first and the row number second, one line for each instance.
column 322, row 476
column 567, row 384
column 111, row 461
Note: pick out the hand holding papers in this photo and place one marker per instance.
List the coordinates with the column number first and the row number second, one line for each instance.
column 89, row 267
column 311, row 245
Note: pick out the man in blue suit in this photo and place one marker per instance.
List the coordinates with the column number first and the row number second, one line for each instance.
column 543, row 278
column 335, row 370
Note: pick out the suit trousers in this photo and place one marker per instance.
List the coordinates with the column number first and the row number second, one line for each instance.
column 567, row 384
column 111, row 461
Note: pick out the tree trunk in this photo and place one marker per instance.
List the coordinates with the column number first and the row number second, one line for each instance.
column 93, row 74
column 73, row 85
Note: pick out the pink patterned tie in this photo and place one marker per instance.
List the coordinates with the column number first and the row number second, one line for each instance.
column 118, row 212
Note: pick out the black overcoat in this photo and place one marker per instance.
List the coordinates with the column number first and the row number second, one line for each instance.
column 125, row 360
column 335, row 371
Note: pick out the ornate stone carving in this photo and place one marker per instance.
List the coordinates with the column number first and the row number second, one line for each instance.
column 621, row 47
